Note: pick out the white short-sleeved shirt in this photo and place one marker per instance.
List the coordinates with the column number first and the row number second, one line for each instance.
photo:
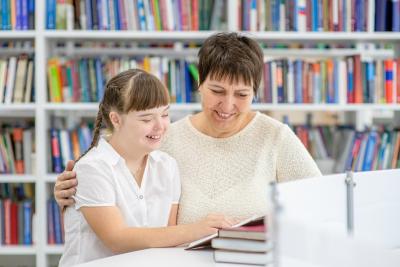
column 105, row 180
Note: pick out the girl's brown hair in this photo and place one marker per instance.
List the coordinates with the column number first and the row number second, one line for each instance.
column 131, row 90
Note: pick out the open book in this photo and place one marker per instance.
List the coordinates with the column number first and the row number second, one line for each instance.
column 206, row 241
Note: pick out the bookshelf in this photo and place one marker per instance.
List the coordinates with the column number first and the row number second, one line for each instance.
column 41, row 110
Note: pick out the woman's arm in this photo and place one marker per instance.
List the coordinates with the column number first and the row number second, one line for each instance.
column 109, row 226
column 65, row 186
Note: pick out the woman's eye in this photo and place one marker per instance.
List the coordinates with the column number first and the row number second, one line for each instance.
column 216, row 92
column 146, row 121
column 165, row 115
column 242, row 95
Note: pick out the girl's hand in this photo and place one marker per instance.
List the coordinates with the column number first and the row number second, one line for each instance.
column 210, row 225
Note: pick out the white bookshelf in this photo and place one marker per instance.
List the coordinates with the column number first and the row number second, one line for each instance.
column 41, row 109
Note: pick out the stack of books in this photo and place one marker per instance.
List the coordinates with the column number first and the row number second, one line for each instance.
column 245, row 245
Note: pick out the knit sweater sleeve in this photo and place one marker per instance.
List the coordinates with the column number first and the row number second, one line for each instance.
column 293, row 160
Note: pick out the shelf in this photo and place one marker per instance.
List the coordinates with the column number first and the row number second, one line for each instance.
column 51, row 178
column 54, row 249
column 18, row 35
column 265, row 37
column 17, row 250
column 79, row 107
column 17, row 178
column 17, row 110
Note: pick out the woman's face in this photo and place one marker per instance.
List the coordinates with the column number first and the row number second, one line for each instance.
column 225, row 105
column 144, row 129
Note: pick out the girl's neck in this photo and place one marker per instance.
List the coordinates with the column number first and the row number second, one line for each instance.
column 132, row 157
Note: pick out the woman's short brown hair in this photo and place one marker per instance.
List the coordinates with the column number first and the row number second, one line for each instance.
column 232, row 56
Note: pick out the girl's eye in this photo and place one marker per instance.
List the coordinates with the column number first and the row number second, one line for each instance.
column 242, row 95
column 146, row 121
column 165, row 115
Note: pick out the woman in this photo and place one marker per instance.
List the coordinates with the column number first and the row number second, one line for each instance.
column 227, row 153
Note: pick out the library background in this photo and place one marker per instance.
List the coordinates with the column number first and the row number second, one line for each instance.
column 332, row 72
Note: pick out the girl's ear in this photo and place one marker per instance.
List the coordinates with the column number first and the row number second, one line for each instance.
column 115, row 119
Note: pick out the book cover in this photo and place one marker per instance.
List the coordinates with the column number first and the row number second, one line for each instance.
column 242, row 257
column 206, row 241
column 243, row 245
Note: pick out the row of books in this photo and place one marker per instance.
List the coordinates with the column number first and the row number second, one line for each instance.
column 337, row 80
column 317, row 15
column 367, row 150
column 17, row 14
column 16, row 150
column 248, row 15
column 17, row 79
column 141, row 15
column 68, row 144
column 83, row 80
column 55, row 228
column 16, row 214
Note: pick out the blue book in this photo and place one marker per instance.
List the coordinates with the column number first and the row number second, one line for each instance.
column 359, row 14
column 117, row 11
column 31, row 14
column 25, row 15
column 99, row 10
column 5, row 12
column 178, row 82
column 188, row 84
column 371, row 81
column 88, row 10
column 369, row 151
column 57, row 222
column 299, row 81
column 314, row 15
column 380, row 15
column 84, row 79
column 27, row 205
column 141, row 15
column 51, row 14
column 396, row 15
column 99, row 79
column 18, row 14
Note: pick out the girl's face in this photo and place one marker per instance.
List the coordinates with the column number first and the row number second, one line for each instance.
column 144, row 129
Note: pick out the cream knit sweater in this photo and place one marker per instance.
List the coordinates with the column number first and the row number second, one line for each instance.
column 231, row 175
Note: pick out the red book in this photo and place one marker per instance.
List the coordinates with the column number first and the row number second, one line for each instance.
column 195, row 15
column 14, row 223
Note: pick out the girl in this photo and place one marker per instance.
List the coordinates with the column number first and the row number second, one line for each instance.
column 128, row 192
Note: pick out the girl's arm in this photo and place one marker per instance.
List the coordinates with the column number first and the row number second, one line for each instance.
column 173, row 215
column 109, row 226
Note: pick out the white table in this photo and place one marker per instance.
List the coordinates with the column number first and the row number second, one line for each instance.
column 176, row 257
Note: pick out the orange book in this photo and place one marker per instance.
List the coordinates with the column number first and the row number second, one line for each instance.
column 358, row 91
column 195, row 15
column 19, row 161
column 389, row 81
column 75, row 144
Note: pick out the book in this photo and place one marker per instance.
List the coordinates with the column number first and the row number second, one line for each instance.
column 206, row 241
column 242, row 257
column 243, row 245
column 252, row 232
